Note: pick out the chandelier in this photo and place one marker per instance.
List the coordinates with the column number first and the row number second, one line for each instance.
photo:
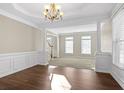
column 52, row 12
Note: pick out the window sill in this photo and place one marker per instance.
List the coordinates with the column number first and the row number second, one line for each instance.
column 87, row 54
column 69, row 53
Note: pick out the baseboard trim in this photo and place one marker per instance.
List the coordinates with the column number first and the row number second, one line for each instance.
column 12, row 72
column 120, row 82
column 45, row 64
column 102, row 71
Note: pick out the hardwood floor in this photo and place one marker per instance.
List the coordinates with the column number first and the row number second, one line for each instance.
column 38, row 77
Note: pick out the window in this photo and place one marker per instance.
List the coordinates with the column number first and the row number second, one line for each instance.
column 69, row 45
column 86, row 45
column 121, row 45
column 118, row 40
column 49, row 39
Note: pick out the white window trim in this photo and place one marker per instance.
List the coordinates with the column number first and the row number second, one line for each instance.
column 116, row 39
column 90, row 44
column 65, row 44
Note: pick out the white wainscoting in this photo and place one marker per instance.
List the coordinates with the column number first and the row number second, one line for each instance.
column 103, row 62
column 118, row 75
column 14, row 62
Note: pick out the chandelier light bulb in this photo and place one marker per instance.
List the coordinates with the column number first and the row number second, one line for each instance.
column 45, row 13
column 61, row 13
column 47, row 7
column 58, row 7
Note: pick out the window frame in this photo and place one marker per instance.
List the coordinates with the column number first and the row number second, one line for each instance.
column 65, row 39
column 117, row 40
column 90, row 44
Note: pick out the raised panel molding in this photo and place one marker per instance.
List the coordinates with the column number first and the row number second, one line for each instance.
column 14, row 62
column 118, row 75
column 103, row 62
column 19, row 62
column 5, row 65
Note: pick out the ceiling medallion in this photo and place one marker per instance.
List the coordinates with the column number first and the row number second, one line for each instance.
column 52, row 12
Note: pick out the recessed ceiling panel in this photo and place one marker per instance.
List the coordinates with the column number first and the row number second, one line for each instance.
column 32, row 12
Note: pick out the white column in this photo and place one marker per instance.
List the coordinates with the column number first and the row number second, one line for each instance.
column 103, row 60
column 44, row 53
column 98, row 37
column 45, row 47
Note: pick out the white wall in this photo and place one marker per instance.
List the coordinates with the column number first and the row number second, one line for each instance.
column 103, row 62
column 116, row 71
column 77, row 44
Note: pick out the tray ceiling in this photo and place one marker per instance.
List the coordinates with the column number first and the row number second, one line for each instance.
column 73, row 13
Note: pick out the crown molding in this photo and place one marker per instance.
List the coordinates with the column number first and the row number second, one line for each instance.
column 20, row 9
column 116, row 10
column 19, row 19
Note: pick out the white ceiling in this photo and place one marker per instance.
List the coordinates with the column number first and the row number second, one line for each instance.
column 71, row 29
column 74, row 13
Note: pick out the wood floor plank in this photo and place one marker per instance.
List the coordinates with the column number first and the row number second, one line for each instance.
column 38, row 78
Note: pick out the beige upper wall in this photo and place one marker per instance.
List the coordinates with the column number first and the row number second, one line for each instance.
column 106, row 36
column 18, row 37
column 39, row 39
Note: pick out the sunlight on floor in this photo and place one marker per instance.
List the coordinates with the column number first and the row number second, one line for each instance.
column 50, row 66
column 59, row 82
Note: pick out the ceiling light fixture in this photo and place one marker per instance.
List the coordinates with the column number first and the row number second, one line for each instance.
column 52, row 12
